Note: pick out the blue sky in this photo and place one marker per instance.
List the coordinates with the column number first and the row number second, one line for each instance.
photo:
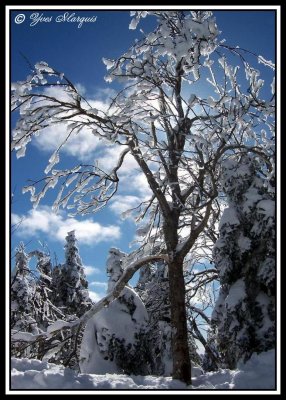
column 78, row 53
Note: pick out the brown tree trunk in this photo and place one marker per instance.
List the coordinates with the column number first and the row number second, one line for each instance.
column 180, row 349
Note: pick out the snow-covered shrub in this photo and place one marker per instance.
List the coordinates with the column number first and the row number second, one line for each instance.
column 115, row 338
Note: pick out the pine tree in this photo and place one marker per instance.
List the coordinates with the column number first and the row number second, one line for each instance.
column 23, row 290
column 43, row 296
column 44, row 309
column 244, row 315
column 114, row 266
column 57, row 286
column 70, row 297
column 73, row 285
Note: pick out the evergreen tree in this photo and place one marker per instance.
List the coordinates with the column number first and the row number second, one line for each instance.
column 153, row 288
column 23, row 290
column 244, row 316
column 73, row 285
column 57, row 286
column 44, row 309
column 35, row 296
column 69, row 295
column 114, row 266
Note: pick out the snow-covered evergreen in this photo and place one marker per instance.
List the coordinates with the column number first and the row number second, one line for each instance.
column 45, row 312
column 114, row 339
column 43, row 296
column 153, row 288
column 244, row 316
column 57, row 284
column 23, row 307
column 114, row 266
column 23, row 288
column 70, row 295
column 73, row 286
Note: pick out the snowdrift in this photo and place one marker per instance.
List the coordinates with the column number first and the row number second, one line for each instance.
column 257, row 374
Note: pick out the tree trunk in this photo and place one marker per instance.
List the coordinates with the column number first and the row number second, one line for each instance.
column 180, row 349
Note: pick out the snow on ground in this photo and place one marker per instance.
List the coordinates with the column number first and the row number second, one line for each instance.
column 258, row 373
column 35, row 374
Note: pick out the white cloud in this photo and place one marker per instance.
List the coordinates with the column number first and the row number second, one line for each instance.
column 121, row 203
column 98, row 284
column 138, row 182
column 44, row 220
column 104, row 94
column 89, row 270
column 95, row 296
column 15, row 219
column 82, row 145
column 81, row 89
column 58, row 92
column 108, row 158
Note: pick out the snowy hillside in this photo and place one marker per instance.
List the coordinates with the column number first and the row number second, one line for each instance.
column 257, row 374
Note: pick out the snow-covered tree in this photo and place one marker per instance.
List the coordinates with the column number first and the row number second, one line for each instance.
column 115, row 339
column 114, row 267
column 23, row 288
column 153, row 288
column 22, row 295
column 44, row 266
column 177, row 135
column 73, row 285
column 32, row 309
column 56, row 286
column 68, row 300
column 44, row 310
column 244, row 316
